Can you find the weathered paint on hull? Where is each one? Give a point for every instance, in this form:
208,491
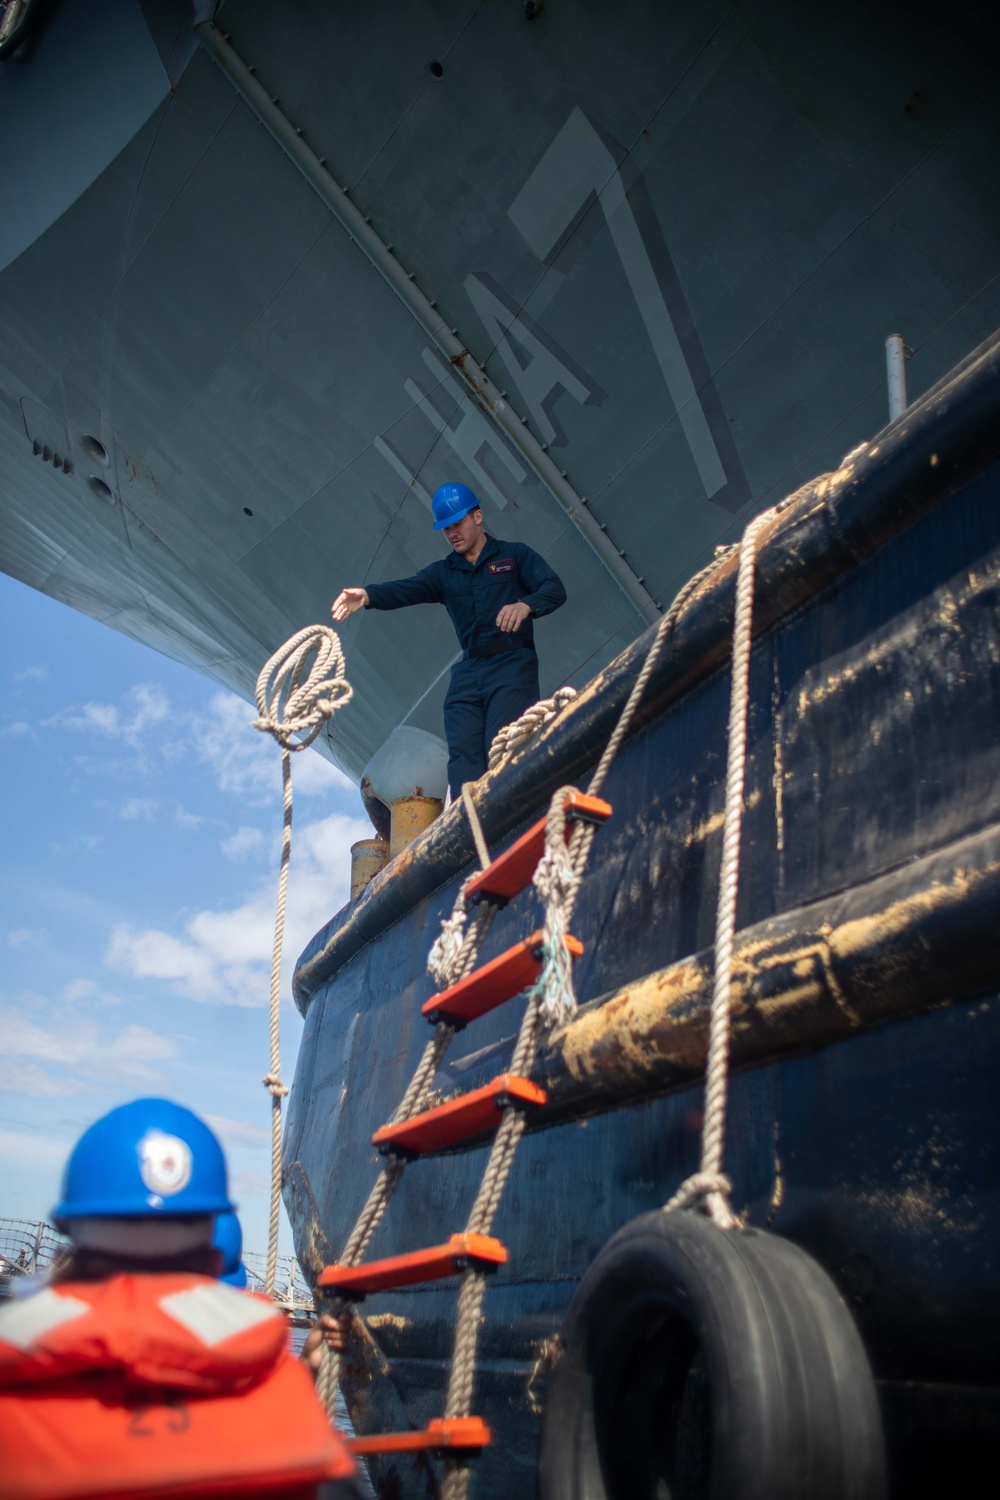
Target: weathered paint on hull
874,771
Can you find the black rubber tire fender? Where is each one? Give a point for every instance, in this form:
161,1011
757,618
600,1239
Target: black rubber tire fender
703,1364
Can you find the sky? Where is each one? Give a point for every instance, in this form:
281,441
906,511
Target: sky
142,822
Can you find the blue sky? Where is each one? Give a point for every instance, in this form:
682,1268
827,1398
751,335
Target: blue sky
142,822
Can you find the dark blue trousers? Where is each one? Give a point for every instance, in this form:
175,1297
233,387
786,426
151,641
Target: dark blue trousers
485,694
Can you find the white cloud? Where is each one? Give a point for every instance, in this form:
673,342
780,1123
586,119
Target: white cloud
89,990
80,989
25,937
98,718
32,1082
237,1133
224,955
86,843
248,763
244,842
188,820
151,954
32,674
249,1184
30,1150
138,807
52,1053
243,762
141,708
15,730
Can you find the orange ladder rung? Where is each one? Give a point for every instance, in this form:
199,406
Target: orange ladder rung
496,982
513,869
476,1113
442,1432
461,1251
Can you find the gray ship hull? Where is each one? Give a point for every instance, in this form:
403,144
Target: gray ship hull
674,238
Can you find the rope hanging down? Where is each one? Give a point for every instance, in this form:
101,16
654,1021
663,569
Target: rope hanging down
709,1183
298,690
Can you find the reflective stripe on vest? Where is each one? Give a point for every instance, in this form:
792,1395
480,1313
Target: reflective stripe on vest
156,1385
27,1321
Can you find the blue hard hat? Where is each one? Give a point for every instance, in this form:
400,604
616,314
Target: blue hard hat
237,1278
141,1160
228,1238
451,502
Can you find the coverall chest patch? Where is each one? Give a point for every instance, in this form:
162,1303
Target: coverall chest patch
502,565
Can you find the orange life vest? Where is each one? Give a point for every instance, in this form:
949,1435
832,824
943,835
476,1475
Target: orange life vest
150,1386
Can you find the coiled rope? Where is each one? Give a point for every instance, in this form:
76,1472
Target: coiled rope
298,690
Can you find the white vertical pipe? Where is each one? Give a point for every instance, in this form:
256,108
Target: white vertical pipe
895,372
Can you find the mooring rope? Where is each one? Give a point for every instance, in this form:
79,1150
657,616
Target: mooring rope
709,1184
512,736
299,688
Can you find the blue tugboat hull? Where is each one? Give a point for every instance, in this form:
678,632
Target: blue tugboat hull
866,1019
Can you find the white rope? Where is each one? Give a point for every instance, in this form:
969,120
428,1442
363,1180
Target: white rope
478,837
709,1183
557,881
289,705
511,736
447,946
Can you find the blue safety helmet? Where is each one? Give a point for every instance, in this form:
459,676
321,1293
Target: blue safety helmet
228,1238
451,502
144,1159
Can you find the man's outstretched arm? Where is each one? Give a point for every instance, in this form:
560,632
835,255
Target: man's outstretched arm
423,588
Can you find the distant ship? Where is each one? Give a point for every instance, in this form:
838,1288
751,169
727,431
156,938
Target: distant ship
268,277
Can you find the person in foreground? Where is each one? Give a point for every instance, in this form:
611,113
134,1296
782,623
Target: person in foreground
492,590
135,1372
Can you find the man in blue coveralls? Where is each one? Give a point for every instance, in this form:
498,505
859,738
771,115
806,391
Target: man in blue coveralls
492,590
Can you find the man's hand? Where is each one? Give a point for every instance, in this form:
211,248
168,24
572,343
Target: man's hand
348,602
511,617
330,1331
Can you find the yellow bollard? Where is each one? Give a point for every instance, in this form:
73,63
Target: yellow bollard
368,856
410,816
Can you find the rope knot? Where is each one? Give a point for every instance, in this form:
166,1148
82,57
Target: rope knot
709,1190
446,950
274,1085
